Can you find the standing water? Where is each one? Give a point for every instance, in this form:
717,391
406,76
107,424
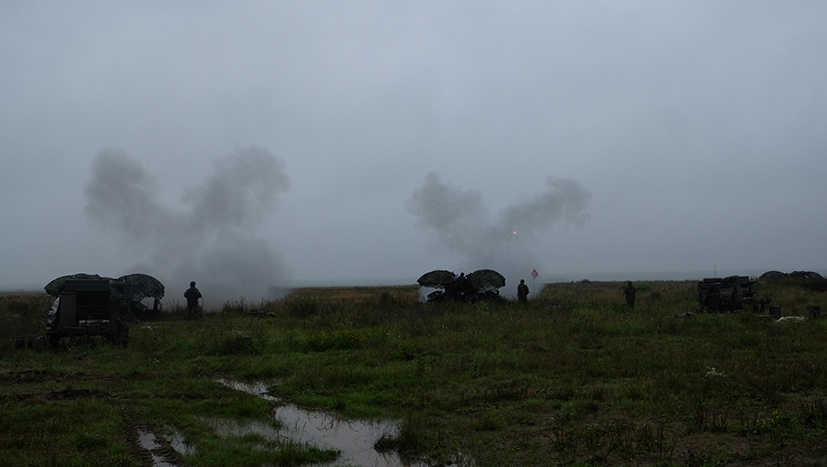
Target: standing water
354,439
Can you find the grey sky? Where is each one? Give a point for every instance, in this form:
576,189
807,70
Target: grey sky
695,133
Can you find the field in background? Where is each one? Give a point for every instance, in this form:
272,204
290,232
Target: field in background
574,376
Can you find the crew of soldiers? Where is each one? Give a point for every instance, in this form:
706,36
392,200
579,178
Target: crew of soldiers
460,287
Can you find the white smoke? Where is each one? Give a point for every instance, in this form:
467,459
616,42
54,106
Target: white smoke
214,240
507,243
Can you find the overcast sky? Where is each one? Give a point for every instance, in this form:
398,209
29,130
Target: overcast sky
267,144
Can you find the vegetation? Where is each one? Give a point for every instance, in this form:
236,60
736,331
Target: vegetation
572,377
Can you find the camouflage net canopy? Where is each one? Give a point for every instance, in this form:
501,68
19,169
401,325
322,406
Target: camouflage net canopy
134,287
481,280
140,286
437,279
778,275
53,287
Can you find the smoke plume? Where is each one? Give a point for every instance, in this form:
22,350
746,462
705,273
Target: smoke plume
506,243
214,239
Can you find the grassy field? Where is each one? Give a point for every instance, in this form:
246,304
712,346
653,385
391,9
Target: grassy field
572,377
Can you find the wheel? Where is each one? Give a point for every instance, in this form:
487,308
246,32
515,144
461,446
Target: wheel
38,344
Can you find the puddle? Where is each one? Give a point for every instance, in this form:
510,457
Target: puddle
148,441
180,445
354,439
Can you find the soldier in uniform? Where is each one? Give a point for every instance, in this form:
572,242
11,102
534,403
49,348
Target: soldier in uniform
463,286
630,292
192,295
522,291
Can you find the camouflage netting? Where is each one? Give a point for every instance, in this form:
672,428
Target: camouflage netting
132,286
140,286
437,279
486,279
778,275
483,279
53,287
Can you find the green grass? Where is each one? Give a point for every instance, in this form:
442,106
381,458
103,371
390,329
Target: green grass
572,377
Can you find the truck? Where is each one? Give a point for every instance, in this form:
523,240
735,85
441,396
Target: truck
730,293
89,307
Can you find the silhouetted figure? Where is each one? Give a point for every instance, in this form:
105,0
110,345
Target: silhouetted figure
522,291
192,295
630,292
463,285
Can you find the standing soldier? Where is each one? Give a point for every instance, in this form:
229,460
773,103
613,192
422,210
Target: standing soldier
630,292
192,295
463,286
522,291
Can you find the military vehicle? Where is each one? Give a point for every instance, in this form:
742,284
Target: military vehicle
483,284
90,305
87,307
730,293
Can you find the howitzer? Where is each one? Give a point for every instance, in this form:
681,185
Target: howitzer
483,284
730,293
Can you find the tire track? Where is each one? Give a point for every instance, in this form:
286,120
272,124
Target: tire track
152,449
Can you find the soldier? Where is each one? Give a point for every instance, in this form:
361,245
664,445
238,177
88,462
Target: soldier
522,291
192,295
630,291
463,285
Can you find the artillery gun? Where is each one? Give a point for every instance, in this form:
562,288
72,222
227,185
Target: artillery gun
483,284
730,293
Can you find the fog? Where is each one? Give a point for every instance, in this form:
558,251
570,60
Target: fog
257,146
